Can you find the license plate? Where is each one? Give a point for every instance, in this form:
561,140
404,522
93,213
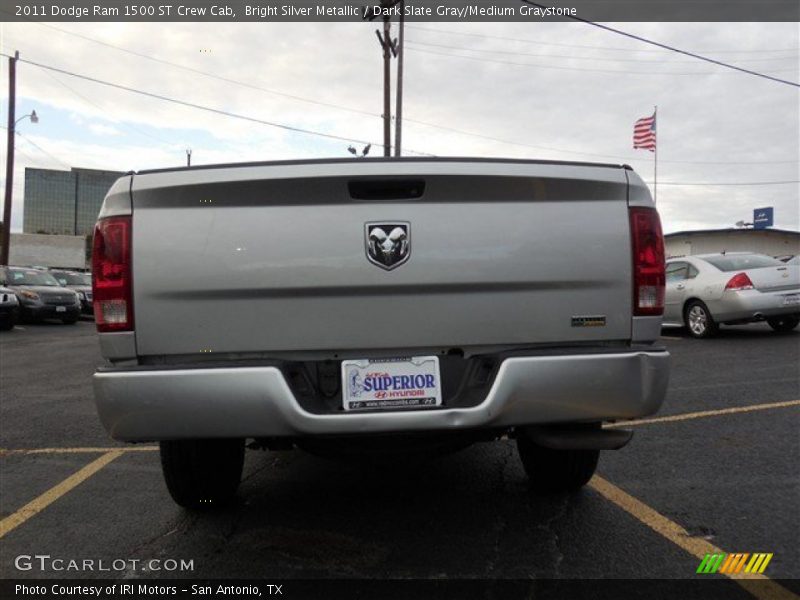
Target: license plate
61,309
390,384
791,300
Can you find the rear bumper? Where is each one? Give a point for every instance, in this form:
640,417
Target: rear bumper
50,311
752,305
146,405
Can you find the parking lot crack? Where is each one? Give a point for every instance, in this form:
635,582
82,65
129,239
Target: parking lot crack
501,523
547,527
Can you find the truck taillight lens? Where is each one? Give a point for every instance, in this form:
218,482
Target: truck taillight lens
648,261
739,282
111,274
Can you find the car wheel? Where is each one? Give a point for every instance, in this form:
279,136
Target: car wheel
6,325
555,470
699,321
783,324
202,474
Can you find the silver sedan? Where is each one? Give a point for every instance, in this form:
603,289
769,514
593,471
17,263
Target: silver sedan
707,290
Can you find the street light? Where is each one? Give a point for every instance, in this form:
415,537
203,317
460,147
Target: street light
33,117
4,258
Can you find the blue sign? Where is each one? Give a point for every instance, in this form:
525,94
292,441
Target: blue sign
763,218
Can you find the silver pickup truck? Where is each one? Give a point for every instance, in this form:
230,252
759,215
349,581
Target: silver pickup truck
367,305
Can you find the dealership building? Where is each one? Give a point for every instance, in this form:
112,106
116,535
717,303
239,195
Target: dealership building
64,202
770,241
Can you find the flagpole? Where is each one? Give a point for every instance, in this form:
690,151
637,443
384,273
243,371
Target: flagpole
655,157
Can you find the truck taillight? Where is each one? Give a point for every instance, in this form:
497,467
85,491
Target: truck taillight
648,261
739,282
111,274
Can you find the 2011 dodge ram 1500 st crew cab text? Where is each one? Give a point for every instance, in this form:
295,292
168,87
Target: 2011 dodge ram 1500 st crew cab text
374,304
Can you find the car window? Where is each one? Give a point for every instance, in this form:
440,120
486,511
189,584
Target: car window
693,272
676,271
741,262
70,278
26,277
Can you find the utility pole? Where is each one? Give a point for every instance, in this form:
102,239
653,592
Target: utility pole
388,49
188,157
12,98
398,131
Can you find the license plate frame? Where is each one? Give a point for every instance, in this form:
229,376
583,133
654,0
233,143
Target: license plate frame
791,300
404,383
61,309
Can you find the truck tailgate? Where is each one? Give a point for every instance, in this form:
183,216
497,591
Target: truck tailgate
273,258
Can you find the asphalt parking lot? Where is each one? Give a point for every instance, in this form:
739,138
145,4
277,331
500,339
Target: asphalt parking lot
716,470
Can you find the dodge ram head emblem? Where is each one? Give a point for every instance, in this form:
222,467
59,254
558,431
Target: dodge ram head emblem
388,244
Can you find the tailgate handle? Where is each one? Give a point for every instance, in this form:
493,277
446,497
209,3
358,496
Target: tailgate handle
386,189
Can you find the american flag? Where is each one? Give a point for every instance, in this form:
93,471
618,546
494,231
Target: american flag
644,133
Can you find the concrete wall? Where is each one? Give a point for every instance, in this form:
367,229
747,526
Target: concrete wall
762,241
66,251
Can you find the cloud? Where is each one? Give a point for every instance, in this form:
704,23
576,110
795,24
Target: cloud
103,130
575,99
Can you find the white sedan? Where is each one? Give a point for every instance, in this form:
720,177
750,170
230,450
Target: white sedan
707,290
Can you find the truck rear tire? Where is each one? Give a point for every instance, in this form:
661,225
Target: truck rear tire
202,474
556,470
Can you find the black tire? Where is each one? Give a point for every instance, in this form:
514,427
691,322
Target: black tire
556,470
699,322
6,324
202,474
783,324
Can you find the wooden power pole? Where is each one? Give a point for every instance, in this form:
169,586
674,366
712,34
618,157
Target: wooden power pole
398,123
12,97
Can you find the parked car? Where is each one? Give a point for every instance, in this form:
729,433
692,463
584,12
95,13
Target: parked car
81,283
367,304
40,295
9,309
708,290
795,260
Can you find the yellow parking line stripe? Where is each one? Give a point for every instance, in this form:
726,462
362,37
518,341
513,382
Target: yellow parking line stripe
705,413
37,505
4,451
758,585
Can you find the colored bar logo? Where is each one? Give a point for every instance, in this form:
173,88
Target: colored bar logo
741,562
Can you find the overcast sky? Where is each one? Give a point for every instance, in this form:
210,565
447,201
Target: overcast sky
568,91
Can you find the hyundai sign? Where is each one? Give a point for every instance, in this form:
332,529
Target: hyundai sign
762,218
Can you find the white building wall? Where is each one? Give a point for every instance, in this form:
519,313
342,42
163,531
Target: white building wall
772,243
65,251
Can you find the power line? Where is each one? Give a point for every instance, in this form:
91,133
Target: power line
593,154
42,150
603,48
729,183
462,132
583,69
85,99
672,48
591,58
209,74
204,108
